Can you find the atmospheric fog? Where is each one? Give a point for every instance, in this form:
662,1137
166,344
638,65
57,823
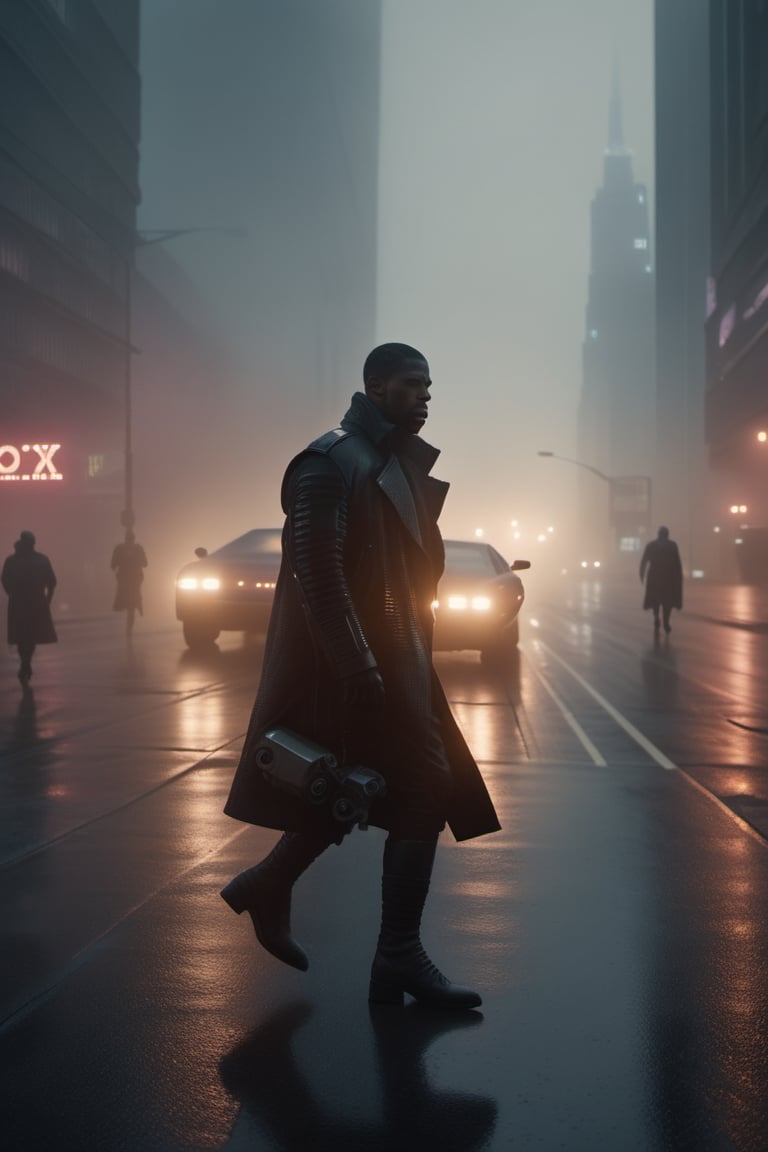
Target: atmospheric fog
444,202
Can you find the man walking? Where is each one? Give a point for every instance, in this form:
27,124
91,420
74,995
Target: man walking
29,580
664,586
348,664
128,563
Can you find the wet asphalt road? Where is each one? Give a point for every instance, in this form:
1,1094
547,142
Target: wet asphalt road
617,927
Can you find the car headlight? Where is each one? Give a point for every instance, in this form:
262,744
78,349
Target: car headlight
481,603
457,603
211,583
188,583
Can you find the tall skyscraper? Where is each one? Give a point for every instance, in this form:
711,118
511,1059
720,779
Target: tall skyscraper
69,128
617,401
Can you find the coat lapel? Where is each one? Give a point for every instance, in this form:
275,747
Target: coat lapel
393,483
418,457
434,492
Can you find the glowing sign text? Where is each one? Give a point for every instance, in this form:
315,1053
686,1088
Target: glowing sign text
14,467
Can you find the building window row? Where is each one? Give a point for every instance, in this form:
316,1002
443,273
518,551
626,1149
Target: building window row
106,50
75,160
42,267
52,341
27,200
13,258
61,9
105,55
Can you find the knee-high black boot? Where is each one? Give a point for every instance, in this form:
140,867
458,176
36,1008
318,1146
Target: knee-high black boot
401,964
264,892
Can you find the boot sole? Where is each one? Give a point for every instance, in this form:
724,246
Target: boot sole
234,895
383,993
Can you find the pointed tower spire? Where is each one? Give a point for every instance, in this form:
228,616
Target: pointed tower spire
615,125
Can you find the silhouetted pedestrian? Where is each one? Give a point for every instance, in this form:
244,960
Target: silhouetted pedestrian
664,586
29,580
348,664
128,563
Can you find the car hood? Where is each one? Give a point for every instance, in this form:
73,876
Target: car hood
265,563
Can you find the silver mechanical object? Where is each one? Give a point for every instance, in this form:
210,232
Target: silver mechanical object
313,774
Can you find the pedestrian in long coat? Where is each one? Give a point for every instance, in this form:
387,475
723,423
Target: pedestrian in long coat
348,664
664,583
128,563
29,580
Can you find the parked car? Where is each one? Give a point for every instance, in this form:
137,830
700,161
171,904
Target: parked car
231,589
478,600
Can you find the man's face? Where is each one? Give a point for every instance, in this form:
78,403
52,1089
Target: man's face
403,397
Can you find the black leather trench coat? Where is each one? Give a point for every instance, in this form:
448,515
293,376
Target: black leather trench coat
385,573
29,580
664,582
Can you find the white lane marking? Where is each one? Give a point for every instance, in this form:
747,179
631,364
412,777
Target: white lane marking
742,823
569,717
635,733
655,754
727,696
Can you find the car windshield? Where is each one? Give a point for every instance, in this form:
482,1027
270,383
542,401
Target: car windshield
468,559
255,543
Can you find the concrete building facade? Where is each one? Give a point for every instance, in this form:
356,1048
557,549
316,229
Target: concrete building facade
737,320
69,133
683,489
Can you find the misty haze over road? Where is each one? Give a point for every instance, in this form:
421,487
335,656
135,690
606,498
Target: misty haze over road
485,149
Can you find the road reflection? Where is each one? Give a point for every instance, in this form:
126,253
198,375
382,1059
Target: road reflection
279,1103
25,727
709,1043
660,676
231,658
483,698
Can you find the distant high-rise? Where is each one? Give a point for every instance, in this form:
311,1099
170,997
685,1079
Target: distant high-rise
69,127
617,400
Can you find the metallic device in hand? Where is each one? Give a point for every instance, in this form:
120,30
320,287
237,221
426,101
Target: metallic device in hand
314,775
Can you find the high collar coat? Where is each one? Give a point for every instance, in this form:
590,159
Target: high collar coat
391,560
664,580
29,580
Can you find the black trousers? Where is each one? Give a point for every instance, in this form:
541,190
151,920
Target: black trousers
26,652
416,770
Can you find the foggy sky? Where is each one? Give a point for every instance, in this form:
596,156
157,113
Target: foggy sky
493,124
495,118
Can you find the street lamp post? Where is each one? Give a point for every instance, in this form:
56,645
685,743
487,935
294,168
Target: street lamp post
616,485
141,240
579,464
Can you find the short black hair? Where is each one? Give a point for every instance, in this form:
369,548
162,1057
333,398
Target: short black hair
387,358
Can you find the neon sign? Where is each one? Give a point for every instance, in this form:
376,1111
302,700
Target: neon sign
15,464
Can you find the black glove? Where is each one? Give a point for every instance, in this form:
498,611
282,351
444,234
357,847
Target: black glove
364,690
